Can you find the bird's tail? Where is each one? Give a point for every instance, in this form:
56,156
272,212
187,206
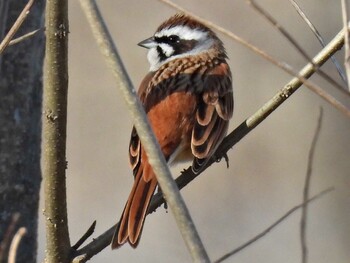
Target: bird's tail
134,214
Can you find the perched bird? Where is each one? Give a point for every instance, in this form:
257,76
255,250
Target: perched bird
188,98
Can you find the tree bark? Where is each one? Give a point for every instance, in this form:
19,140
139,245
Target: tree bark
20,126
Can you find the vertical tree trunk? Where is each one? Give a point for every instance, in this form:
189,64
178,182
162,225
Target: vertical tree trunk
20,125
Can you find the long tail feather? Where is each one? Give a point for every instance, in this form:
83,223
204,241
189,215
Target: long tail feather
134,214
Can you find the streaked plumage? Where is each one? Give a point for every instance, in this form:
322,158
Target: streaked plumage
187,96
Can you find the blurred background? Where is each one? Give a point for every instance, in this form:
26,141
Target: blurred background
267,168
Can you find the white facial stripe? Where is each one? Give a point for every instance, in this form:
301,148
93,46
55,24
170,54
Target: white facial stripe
167,49
184,32
204,42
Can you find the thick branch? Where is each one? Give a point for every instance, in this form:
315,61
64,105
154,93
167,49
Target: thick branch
54,125
234,137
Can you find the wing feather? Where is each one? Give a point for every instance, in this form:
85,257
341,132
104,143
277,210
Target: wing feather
214,110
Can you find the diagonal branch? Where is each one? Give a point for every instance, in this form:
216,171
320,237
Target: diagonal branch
281,64
294,42
25,36
22,16
98,244
144,130
347,47
318,36
267,230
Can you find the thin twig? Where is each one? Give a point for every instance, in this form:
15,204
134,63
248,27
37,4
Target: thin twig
295,43
4,244
267,230
15,243
102,241
318,36
87,234
22,16
281,64
25,36
307,188
347,47
144,131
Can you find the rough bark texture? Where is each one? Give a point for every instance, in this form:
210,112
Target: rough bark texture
55,131
20,125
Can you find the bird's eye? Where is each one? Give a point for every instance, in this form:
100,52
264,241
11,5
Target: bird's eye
174,39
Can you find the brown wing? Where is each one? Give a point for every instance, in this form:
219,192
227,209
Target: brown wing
215,108
135,143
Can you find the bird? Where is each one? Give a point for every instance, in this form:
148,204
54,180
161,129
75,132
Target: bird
188,98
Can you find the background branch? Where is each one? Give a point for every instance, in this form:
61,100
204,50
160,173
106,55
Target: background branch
234,137
295,43
318,36
55,130
4,43
281,64
15,243
347,43
267,230
144,130
307,188
20,124
6,240
25,36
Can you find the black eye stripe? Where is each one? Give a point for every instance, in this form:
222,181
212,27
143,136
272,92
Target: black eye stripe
161,54
173,39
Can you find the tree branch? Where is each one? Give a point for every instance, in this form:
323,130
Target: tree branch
307,187
294,42
281,64
5,242
87,234
318,36
144,131
234,137
54,129
267,230
347,47
24,37
22,16
15,243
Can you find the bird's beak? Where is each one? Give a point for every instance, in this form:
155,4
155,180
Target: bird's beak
148,43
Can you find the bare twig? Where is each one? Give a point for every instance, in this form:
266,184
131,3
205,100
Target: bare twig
15,243
98,244
294,42
144,130
267,230
307,187
318,36
347,47
4,244
87,234
55,131
24,37
281,64
22,16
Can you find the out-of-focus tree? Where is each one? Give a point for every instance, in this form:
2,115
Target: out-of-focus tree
20,128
